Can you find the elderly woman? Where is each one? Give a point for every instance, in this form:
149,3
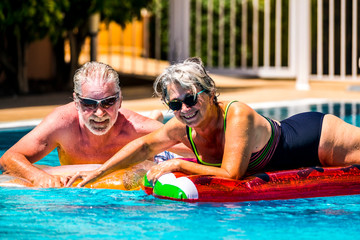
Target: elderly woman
230,139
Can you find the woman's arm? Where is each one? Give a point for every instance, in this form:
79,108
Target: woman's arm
187,167
240,139
134,152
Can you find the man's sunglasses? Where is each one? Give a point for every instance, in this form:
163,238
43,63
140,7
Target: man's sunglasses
189,100
92,104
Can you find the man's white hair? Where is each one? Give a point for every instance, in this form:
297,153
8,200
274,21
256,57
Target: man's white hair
97,73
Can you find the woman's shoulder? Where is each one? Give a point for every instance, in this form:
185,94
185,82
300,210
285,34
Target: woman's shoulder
236,107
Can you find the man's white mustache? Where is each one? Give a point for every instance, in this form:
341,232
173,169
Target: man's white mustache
97,119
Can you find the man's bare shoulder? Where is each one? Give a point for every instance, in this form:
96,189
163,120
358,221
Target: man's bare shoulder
57,127
138,121
62,117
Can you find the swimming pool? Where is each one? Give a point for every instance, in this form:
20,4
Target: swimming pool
112,214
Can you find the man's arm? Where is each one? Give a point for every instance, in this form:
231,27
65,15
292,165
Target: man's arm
17,161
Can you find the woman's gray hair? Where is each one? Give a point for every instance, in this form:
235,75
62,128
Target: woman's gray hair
92,72
190,74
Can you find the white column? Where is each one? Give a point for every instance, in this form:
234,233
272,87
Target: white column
179,30
354,42
343,40
302,39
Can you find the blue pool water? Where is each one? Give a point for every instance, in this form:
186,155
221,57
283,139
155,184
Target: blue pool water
71,213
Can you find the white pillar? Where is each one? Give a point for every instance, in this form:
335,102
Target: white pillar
302,38
179,13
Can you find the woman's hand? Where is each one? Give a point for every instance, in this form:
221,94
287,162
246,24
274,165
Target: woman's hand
157,171
86,176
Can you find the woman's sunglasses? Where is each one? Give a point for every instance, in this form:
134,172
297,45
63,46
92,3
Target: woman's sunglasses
92,104
189,100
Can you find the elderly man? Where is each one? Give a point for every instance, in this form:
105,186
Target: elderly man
88,130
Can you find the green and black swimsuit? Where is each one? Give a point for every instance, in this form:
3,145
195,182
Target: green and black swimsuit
258,160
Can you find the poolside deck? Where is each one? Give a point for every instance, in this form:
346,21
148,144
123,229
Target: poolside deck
139,98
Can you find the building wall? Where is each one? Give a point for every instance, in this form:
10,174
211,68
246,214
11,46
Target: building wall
41,63
112,39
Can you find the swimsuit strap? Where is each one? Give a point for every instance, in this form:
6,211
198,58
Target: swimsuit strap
189,135
226,111
198,158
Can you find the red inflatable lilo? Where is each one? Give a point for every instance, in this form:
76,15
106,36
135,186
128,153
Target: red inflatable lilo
288,184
